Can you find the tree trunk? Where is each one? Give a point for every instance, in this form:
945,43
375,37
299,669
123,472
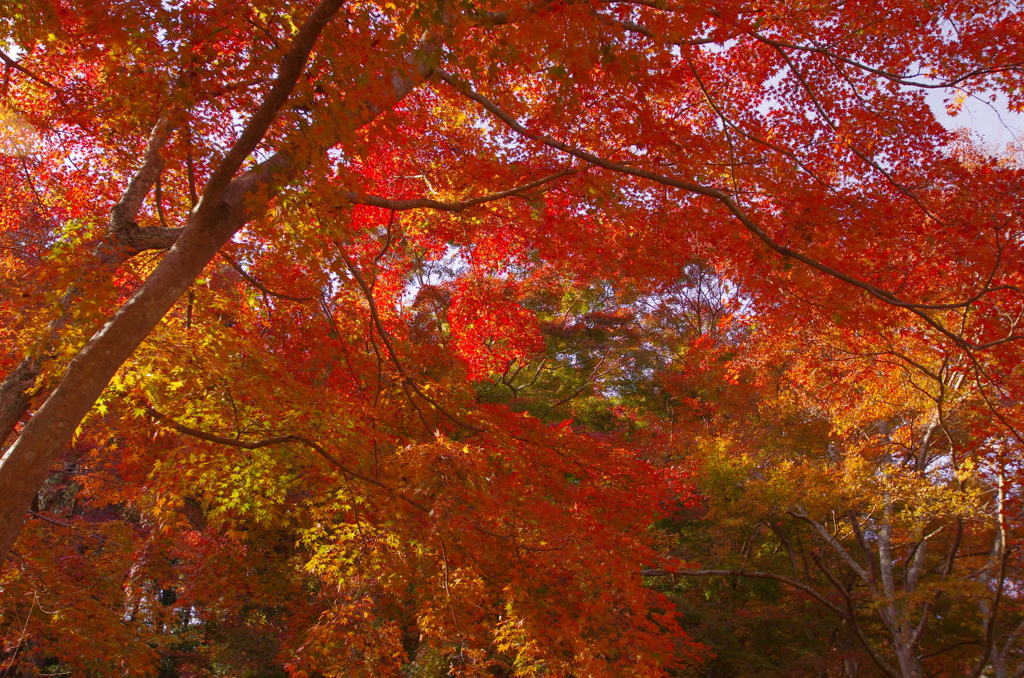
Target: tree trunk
14,397
221,212
909,661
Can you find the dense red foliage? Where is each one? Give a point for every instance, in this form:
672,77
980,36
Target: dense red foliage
488,338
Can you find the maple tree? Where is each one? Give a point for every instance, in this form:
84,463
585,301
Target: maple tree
884,507
493,338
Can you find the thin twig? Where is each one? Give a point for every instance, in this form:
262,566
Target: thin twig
257,284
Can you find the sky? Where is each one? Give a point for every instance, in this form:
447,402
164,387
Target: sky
992,122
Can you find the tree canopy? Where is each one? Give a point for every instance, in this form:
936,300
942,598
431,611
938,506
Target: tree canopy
487,338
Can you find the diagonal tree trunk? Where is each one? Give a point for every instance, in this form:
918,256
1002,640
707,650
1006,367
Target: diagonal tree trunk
227,204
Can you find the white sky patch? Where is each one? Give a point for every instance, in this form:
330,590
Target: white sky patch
993,123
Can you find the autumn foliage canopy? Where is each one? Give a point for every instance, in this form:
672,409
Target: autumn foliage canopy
484,338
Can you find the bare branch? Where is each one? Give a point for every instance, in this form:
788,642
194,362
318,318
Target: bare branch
834,543
752,575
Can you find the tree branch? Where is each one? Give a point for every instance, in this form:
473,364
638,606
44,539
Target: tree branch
256,283
278,440
386,338
752,575
426,203
13,64
834,543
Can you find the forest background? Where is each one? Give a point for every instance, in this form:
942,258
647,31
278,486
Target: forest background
483,338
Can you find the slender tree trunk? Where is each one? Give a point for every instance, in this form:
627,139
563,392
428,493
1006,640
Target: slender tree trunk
850,667
908,660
